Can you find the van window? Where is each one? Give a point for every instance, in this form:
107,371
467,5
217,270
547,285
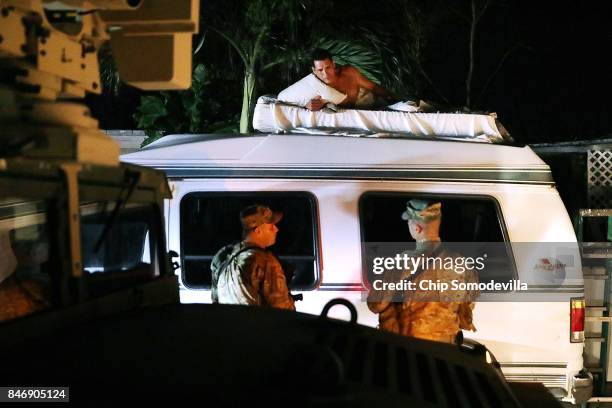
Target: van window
471,220
209,221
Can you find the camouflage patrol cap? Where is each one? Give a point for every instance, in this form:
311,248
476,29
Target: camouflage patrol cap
422,210
255,215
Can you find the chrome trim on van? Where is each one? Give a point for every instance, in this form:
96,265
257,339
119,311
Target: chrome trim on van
353,286
534,365
477,175
342,287
578,292
549,380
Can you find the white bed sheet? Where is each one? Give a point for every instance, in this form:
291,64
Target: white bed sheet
275,117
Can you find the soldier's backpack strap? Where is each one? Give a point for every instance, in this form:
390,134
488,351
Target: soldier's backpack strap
231,258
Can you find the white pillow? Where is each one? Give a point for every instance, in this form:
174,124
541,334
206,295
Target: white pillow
308,88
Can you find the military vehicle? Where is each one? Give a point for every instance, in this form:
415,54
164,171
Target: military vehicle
75,224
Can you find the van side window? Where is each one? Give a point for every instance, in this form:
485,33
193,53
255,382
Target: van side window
473,220
210,221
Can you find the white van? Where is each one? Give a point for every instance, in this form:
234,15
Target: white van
338,193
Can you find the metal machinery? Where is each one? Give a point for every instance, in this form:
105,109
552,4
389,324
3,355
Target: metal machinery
67,206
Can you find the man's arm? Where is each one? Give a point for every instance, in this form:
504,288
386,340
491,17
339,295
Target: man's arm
380,300
378,307
316,104
373,87
274,286
325,94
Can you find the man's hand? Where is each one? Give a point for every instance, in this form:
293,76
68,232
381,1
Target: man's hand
316,104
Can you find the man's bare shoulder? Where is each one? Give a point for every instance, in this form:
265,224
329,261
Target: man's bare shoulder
350,70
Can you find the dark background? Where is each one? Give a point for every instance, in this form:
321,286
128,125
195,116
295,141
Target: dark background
553,84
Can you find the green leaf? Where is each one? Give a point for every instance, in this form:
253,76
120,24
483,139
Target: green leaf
199,75
228,126
150,110
152,135
363,57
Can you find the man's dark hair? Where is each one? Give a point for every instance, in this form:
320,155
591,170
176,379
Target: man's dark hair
320,54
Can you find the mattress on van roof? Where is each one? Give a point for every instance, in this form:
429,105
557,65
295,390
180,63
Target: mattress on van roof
273,116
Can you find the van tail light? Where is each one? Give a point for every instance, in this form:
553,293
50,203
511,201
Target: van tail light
577,310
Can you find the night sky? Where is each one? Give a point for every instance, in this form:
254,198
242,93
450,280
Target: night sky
553,86
560,86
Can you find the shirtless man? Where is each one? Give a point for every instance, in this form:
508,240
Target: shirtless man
344,78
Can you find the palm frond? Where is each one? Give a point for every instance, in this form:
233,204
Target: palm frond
364,58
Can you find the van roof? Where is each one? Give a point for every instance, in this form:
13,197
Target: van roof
308,152
324,149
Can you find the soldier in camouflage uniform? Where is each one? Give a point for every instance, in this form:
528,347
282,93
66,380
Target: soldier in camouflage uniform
427,314
247,274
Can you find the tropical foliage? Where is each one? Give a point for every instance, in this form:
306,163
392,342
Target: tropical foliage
181,112
247,48
250,34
